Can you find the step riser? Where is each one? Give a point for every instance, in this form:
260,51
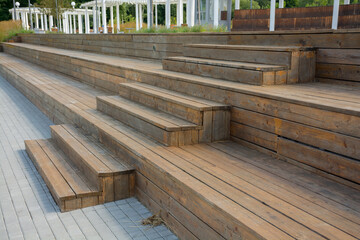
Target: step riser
82,70
75,202
192,115
175,138
301,64
112,188
76,159
240,55
59,202
226,73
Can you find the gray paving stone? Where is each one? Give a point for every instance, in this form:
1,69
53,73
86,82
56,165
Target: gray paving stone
27,209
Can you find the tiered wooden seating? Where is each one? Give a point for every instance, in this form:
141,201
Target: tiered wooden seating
271,127
168,117
211,191
257,65
78,171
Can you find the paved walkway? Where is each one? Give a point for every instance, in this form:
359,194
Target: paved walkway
27,210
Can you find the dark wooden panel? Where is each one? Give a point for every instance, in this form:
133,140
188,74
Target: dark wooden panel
341,56
297,18
329,162
300,12
338,71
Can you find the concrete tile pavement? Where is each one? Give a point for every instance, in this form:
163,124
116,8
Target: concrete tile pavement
27,210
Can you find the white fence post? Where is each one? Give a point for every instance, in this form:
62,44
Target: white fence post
272,16
335,16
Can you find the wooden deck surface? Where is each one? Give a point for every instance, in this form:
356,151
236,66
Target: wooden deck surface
272,197
327,96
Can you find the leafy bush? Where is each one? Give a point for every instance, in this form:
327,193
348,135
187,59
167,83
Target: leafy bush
9,29
196,28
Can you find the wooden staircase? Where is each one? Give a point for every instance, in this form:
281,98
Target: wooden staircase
169,117
78,170
257,65
217,190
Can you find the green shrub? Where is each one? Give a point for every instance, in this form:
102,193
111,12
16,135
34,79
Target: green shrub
196,28
9,29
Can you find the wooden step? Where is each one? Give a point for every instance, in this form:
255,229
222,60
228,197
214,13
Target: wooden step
161,126
280,55
299,60
66,183
190,194
114,179
243,72
212,116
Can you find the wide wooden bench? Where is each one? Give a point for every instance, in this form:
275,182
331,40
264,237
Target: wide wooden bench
212,191
79,171
312,124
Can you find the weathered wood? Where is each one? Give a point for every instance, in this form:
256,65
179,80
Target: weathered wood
165,170
297,18
200,229
254,135
71,174
338,71
206,157
340,56
158,125
221,72
170,220
59,188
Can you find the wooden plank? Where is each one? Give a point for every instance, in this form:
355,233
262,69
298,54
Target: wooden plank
338,71
53,179
343,199
338,82
122,186
230,64
229,171
171,221
80,156
231,74
325,39
148,169
116,166
161,120
254,135
339,56
197,227
329,162
73,176
338,143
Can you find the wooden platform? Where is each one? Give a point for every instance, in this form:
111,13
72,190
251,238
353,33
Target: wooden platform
217,190
321,120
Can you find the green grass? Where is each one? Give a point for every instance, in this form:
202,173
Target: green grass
194,29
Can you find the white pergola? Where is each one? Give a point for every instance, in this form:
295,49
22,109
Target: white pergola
103,4
209,11
197,12
45,21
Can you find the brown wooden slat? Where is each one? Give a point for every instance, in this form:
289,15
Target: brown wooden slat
54,180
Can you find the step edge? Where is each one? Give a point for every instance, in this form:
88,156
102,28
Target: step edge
53,192
168,129
97,173
273,68
139,86
252,47
75,133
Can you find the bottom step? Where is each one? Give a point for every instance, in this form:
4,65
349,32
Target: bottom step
67,185
67,169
